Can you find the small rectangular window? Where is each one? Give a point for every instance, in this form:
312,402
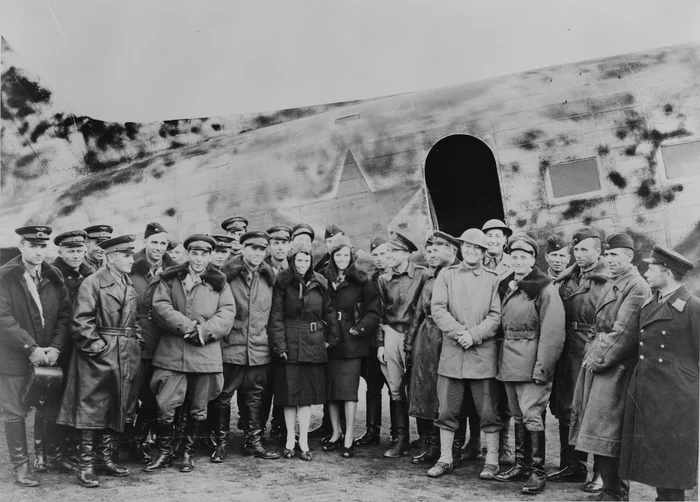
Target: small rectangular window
574,178
682,159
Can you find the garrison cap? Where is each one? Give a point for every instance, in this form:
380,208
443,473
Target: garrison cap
332,230
303,228
439,236
555,243
34,233
497,225
399,242
280,233
71,239
123,244
99,233
523,242
670,259
223,241
376,242
586,233
154,228
255,238
200,242
235,223
474,236
621,240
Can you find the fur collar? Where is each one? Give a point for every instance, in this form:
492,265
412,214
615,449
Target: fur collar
532,284
352,273
599,273
14,269
69,272
289,276
234,267
142,267
211,275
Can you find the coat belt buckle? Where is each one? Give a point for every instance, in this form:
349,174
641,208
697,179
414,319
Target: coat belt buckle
127,332
312,326
340,315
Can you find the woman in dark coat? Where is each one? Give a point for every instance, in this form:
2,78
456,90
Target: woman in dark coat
302,325
356,301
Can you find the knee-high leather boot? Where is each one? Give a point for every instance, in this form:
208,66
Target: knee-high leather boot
538,477
573,466
400,422
104,455
39,442
374,420
431,451
523,457
16,436
164,438
86,466
58,447
191,433
221,433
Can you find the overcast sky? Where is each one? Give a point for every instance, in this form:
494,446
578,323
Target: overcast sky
143,60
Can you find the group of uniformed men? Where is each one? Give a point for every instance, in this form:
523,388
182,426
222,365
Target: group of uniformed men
157,342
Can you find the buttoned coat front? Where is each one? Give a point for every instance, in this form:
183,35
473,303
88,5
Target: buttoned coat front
465,300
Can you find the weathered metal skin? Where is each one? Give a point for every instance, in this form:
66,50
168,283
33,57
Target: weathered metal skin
361,165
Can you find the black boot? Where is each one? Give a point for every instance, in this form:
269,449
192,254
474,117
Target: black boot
432,447
181,419
614,487
209,426
573,463
104,455
325,428
278,427
423,428
374,419
252,444
401,446
523,457
58,447
458,442
221,433
138,446
86,465
165,437
538,478
191,433
39,443
16,436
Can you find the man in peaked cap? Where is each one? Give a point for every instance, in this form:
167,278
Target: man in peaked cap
70,260
280,242
193,305
34,317
94,256
399,291
223,249
105,361
331,236
469,352
557,256
580,287
303,232
235,227
660,439
597,411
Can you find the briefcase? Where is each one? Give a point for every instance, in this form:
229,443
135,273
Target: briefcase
43,386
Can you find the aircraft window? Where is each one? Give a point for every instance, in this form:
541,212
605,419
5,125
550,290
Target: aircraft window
574,178
682,159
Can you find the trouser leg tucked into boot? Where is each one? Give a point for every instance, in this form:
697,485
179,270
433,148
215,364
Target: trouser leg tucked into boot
523,457
191,432
58,444
253,437
401,446
222,429
538,477
374,419
208,427
421,442
505,455
104,460
138,445
164,439
16,436
39,442
86,465
572,462
431,451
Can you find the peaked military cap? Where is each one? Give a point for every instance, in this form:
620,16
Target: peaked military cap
154,228
34,233
280,233
400,242
670,259
123,244
438,236
497,225
555,243
99,233
303,228
586,233
235,223
71,239
523,242
223,241
255,238
376,242
332,230
621,240
200,242
474,236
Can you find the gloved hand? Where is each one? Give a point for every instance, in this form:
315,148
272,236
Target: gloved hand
38,357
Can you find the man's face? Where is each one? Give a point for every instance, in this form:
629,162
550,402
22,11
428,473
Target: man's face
379,255
236,234
33,253
558,260
471,254
522,262
121,262
254,254
496,240
302,262
432,257
396,257
94,252
617,259
279,248
178,254
657,276
302,239
72,256
586,252
198,260
155,246
219,256
444,252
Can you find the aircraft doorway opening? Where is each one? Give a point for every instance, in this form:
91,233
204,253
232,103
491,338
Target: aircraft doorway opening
462,180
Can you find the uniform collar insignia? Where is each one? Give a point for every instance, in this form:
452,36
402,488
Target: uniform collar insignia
679,305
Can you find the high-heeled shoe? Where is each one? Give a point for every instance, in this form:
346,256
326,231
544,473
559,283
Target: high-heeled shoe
288,453
346,452
332,445
306,456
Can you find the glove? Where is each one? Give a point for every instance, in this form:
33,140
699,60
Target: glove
52,354
38,357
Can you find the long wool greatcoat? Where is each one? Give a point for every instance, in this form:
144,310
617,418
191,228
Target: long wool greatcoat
598,408
660,433
102,368
580,296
